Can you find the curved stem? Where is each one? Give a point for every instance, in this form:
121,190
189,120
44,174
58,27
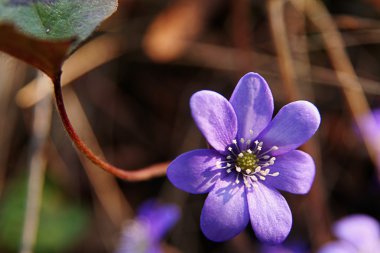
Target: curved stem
138,175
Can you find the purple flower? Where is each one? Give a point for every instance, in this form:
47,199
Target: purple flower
145,232
358,233
252,158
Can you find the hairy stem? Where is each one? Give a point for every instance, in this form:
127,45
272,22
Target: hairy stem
138,175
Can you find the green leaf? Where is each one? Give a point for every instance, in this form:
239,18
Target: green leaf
47,31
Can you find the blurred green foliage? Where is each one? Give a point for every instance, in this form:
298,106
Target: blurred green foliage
62,223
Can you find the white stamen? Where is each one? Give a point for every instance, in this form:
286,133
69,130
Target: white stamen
246,182
232,150
257,169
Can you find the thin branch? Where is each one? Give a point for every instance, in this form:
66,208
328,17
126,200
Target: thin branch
284,59
351,87
37,167
223,58
138,175
93,54
108,193
11,78
319,218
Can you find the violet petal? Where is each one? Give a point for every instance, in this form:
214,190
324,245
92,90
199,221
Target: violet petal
225,212
252,101
294,124
270,215
361,230
195,171
338,247
215,118
297,171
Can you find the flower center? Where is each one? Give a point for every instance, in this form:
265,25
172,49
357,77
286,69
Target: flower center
249,162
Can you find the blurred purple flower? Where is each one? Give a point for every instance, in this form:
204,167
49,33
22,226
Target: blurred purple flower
372,129
145,232
371,124
252,158
281,248
357,234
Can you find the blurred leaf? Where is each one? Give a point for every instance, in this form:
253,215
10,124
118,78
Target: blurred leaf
44,32
61,222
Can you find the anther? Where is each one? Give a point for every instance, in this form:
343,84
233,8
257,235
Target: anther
242,140
241,155
237,179
231,150
238,169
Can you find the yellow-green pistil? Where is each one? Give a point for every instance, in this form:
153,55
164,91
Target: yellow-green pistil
247,161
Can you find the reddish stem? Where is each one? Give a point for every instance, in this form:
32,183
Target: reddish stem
155,170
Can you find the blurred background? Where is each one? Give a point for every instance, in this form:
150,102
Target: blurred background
127,93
